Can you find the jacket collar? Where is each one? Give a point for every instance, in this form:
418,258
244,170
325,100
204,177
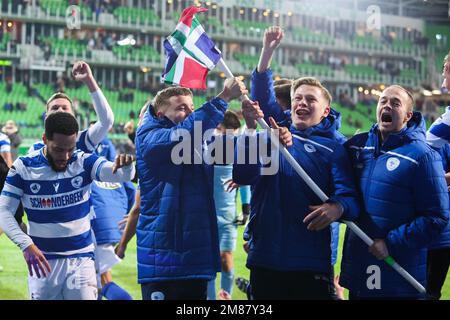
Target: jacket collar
414,130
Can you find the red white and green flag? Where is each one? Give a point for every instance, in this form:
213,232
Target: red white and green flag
191,54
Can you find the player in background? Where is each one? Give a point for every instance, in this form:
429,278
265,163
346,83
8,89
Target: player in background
87,140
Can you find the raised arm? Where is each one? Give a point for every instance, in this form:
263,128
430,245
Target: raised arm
157,145
105,117
262,78
271,41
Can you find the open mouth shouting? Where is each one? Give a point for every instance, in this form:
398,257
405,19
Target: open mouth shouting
386,118
301,112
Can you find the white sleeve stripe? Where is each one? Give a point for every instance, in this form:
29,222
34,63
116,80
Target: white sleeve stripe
96,168
12,189
401,156
5,148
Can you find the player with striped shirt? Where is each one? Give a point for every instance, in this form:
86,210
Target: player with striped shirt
53,184
439,132
5,149
438,260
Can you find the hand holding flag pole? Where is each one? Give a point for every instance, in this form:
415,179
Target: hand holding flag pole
364,237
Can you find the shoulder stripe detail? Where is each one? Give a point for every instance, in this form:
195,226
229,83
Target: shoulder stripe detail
401,156
312,142
362,148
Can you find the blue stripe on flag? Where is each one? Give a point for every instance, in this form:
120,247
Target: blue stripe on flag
171,56
206,45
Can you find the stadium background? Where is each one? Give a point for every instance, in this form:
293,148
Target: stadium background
355,47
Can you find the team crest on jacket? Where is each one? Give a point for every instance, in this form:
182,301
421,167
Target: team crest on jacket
392,163
77,182
310,148
157,295
35,187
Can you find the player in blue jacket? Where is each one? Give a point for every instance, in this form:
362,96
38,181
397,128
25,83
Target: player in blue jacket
275,101
401,180
289,228
177,242
438,259
110,201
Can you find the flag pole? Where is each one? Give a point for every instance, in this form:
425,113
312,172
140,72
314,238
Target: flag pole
315,188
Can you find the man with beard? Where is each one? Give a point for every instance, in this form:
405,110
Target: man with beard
53,184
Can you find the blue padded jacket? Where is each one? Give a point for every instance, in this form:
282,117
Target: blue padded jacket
405,203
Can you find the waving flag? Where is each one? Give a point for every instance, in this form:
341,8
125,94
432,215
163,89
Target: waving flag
190,52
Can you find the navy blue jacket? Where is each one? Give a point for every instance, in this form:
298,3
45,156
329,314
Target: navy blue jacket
278,238
177,228
443,241
111,201
405,203
263,92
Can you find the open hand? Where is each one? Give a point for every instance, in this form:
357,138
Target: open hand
122,160
36,261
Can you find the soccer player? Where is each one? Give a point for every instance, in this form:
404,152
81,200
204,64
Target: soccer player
438,136
5,149
406,203
88,139
439,132
289,227
110,201
274,98
178,247
6,162
53,184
